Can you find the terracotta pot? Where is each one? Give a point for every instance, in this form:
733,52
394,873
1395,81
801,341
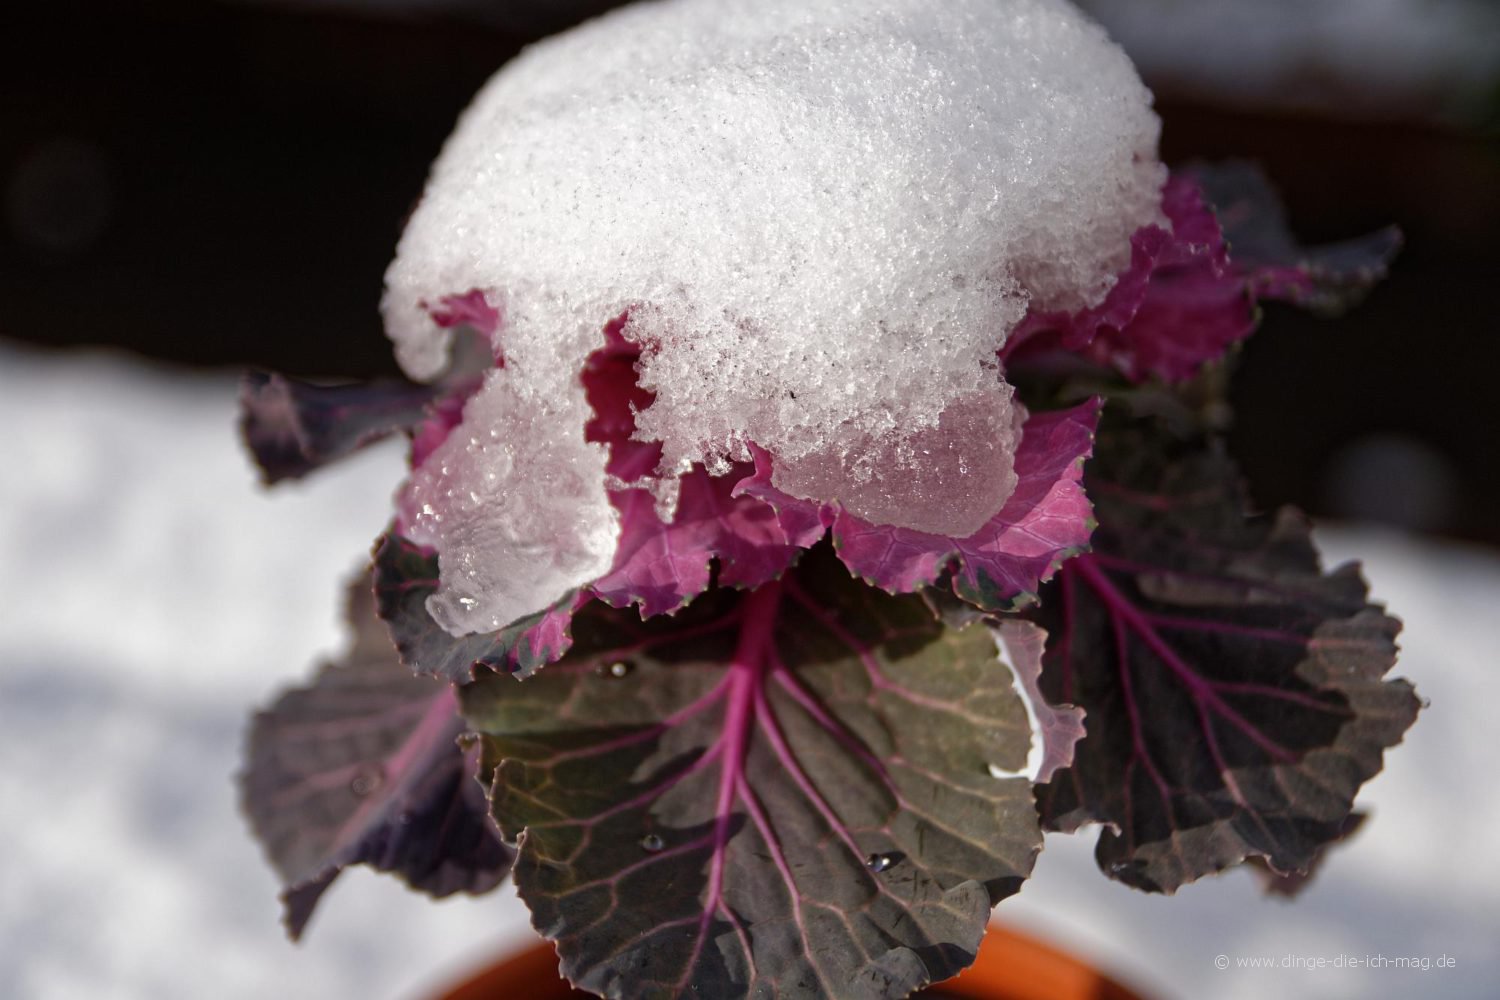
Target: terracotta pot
1011,966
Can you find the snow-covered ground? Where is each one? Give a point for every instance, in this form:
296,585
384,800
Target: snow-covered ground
151,593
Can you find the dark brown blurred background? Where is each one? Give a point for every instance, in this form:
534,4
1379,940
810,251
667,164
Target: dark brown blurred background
217,184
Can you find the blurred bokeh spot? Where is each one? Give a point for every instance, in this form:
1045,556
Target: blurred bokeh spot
59,198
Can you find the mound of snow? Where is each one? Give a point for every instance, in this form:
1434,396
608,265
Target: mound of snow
822,217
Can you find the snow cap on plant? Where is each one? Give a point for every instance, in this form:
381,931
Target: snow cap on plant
811,229
705,282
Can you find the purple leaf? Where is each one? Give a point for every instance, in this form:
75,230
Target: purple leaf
406,574
1326,279
661,566
1235,693
779,793
1180,304
1046,520
293,427
1190,293
363,767
658,565
1057,727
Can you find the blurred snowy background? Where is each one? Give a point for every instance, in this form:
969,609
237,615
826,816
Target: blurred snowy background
1378,59
203,185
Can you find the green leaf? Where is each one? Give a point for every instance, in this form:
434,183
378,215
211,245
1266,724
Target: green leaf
782,793
1235,693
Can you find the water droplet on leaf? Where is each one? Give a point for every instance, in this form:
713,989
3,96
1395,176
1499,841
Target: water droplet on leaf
367,780
651,842
878,863
618,669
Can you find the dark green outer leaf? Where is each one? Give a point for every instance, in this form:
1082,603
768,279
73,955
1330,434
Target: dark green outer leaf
1235,694
780,794
1288,885
406,575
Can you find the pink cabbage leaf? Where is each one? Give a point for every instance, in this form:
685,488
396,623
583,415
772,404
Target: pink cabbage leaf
1058,727
1046,520
1178,305
1191,290
660,565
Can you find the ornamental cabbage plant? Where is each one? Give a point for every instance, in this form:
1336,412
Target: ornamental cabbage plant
816,493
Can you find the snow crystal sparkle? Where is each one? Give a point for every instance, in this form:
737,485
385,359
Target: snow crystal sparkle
822,219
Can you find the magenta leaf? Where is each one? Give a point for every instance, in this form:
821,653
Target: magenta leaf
471,309
662,565
785,792
1325,279
406,574
1046,520
293,427
364,767
1235,693
1190,291
1180,304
